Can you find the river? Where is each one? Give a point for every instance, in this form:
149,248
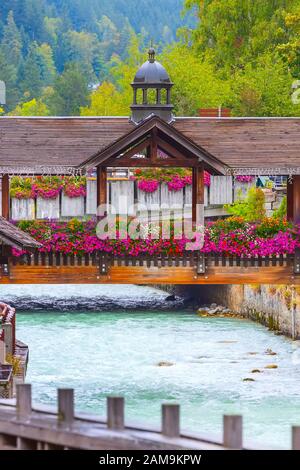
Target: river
117,351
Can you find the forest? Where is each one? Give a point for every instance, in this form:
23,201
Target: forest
78,57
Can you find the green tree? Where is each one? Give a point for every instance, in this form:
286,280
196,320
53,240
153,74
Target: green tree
30,76
82,48
106,101
251,208
8,76
31,108
11,43
70,92
46,64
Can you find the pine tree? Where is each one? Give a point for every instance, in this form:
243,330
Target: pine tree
70,92
31,81
11,44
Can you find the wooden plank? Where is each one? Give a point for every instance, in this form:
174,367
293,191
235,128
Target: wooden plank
101,186
88,274
171,420
233,432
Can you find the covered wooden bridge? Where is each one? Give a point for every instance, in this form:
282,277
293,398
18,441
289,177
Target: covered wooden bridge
151,138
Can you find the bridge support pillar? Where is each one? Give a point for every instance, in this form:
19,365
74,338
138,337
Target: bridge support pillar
198,195
293,199
101,189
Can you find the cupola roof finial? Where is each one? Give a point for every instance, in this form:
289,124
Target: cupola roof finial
151,53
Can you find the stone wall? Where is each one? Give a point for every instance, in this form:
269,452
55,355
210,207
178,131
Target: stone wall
277,307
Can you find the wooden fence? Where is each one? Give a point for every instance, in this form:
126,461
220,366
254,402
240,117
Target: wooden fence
27,427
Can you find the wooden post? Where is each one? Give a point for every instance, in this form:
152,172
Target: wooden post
293,199
115,412
153,146
233,432
171,420
24,400
101,186
65,405
5,196
296,438
198,192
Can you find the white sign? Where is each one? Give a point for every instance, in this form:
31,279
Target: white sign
2,92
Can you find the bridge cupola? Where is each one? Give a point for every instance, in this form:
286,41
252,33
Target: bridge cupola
151,91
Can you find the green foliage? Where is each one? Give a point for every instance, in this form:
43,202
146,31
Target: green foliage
270,226
251,208
70,92
31,108
281,212
20,186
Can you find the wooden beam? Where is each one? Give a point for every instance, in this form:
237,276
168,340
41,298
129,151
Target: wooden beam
153,146
101,186
293,200
173,152
5,196
22,274
197,191
126,159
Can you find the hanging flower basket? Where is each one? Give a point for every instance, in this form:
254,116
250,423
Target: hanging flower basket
21,188
47,187
245,178
74,186
175,178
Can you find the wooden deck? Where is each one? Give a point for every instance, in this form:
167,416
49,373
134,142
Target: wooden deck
27,427
188,269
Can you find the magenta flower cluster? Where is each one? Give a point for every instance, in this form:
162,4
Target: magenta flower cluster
78,238
148,186
50,193
245,178
74,191
179,182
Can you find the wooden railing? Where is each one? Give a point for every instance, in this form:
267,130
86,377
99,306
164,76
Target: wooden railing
23,426
190,258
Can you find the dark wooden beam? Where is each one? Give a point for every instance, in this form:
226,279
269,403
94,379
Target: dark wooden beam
101,186
197,191
5,196
153,146
127,156
293,200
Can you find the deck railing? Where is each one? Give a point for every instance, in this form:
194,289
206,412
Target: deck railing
27,427
201,261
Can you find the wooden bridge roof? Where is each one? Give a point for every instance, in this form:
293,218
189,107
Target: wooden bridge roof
55,144
12,236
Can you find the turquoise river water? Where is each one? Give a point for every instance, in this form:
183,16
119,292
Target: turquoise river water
117,352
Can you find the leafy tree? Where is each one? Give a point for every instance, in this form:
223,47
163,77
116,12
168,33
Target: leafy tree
31,108
106,101
82,48
46,63
70,92
251,208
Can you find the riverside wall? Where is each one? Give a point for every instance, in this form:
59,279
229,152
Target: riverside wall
277,307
